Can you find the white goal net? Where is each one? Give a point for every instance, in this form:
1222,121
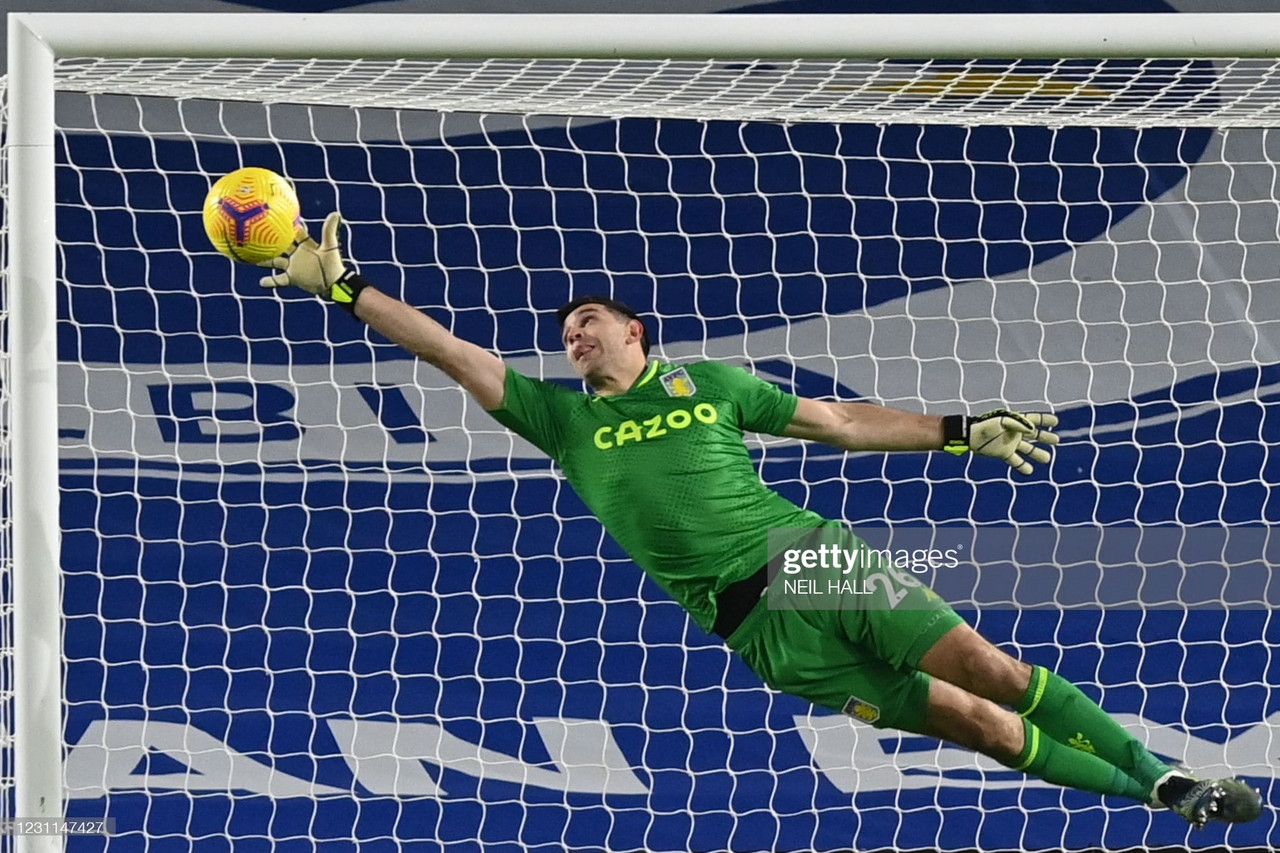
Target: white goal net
315,597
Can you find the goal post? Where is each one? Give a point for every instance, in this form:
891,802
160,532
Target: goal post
31,325
822,52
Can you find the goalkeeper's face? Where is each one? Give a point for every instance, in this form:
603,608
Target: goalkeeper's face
601,343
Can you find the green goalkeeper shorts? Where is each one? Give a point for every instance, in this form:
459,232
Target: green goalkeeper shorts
856,655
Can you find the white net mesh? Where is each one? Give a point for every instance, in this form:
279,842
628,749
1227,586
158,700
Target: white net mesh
1092,92
314,595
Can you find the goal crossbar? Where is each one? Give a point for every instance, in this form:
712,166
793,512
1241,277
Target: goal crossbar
655,35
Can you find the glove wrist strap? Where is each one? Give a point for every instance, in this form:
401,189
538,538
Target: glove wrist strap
346,290
955,434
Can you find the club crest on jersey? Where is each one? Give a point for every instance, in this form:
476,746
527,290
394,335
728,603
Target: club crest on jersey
678,383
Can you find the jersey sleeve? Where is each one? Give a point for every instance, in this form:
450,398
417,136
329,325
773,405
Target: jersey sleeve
531,409
762,406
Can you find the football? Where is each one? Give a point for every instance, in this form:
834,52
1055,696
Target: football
252,215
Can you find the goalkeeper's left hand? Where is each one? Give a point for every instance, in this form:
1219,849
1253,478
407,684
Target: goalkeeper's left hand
1011,436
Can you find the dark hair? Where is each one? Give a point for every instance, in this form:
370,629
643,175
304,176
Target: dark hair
621,309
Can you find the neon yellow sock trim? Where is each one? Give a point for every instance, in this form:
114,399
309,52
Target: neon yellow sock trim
1039,680
1034,734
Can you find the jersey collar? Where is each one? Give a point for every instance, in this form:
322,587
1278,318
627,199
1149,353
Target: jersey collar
646,376
650,372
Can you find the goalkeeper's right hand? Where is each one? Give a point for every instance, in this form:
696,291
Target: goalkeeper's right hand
316,267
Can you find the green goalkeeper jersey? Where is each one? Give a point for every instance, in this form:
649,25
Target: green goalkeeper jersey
664,468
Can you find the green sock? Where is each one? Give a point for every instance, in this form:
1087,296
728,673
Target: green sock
1060,710
1051,761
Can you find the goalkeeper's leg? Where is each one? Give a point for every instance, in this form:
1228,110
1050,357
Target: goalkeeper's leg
960,717
1059,720
1047,701
810,654
915,629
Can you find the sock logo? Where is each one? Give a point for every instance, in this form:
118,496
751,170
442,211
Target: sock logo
1082,743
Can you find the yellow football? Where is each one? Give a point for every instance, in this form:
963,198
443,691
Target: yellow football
252,215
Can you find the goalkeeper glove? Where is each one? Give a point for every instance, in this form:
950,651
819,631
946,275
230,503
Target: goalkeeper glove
1011,436
318,267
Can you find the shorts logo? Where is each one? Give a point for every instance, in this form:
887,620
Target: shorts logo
678,383
860,710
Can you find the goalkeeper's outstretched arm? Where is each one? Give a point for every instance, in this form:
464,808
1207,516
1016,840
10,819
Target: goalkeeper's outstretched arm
1019,439
477,370
319,268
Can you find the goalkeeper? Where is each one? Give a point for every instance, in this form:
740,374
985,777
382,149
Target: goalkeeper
657,454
